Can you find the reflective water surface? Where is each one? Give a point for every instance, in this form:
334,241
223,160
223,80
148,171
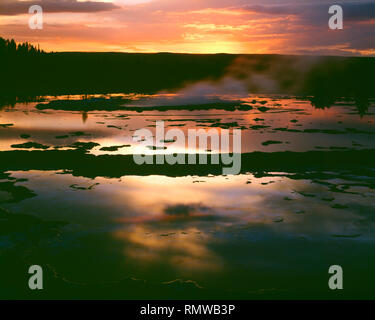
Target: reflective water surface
133,232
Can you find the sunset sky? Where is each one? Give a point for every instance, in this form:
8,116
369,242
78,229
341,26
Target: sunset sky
194,26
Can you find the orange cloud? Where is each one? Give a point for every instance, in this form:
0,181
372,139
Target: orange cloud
194,27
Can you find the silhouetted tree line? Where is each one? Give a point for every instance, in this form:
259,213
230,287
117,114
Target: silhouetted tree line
87,73
26,71
11,48
16,63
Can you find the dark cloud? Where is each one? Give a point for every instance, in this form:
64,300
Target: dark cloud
296,26
15,7
317,12
359,11
184,209
196,212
